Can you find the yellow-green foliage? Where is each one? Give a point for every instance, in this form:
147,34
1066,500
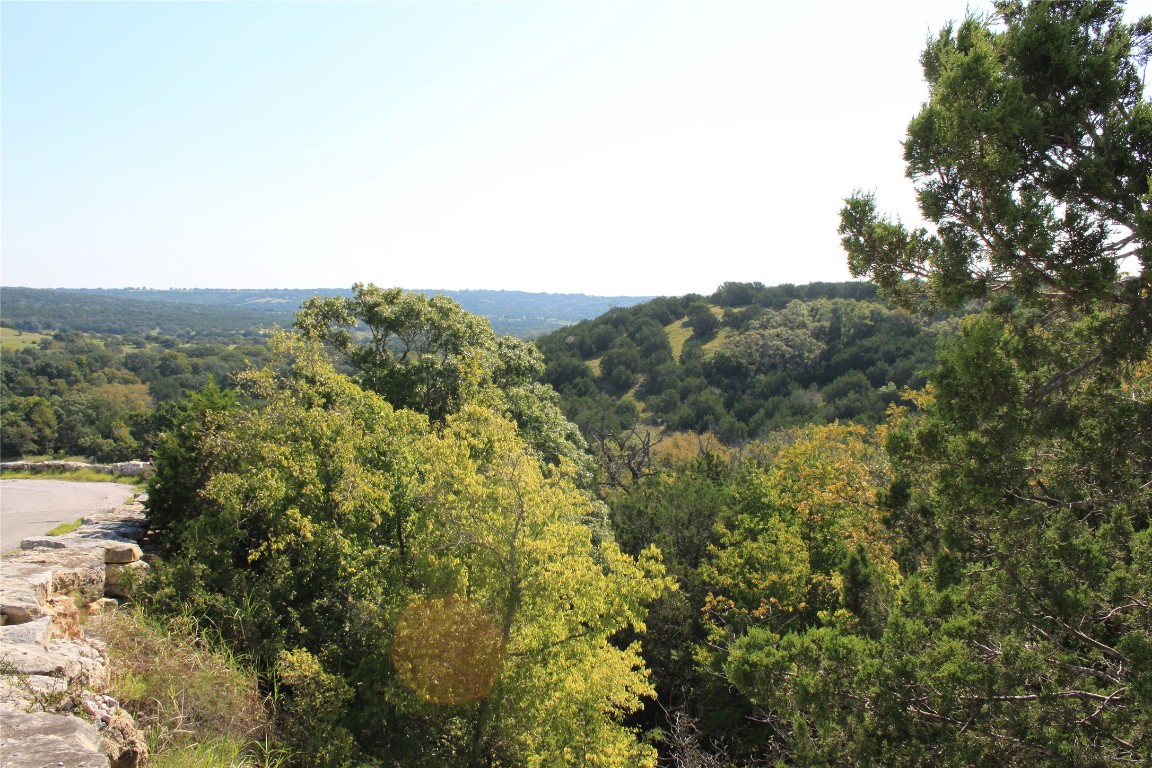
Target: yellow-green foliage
679,332
221,753
807,501
520,550
335,516
676,449
12,340
594,366
312,712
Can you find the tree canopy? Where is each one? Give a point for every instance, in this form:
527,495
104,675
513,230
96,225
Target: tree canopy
1022,632
432,593
425,353
1032,160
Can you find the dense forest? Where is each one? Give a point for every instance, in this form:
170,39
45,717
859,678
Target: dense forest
106,397
900,523
743,362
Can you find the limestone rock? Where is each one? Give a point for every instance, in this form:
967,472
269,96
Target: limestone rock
43,542
65,616
115,531
66,570
126,518
124,468
119,552
132,468
30,659
112,549
22,575
69,659
19,603
29,693
45,661
36,632
124,743
39,739
101,606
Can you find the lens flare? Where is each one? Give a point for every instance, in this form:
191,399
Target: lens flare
447,651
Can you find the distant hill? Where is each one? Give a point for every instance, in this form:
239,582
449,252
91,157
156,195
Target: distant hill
198,312
745,361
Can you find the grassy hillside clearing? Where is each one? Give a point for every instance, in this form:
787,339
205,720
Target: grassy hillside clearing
719,341
13,340
678,333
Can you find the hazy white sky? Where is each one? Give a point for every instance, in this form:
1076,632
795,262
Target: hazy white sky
632,148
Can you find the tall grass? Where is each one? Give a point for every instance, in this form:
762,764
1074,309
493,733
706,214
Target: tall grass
197,704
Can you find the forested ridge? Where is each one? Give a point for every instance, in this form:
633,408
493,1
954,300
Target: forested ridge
37,310
743,362
192,313
900,523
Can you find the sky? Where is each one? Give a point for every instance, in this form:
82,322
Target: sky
609,148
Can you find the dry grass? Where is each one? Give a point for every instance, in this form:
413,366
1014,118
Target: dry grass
678,333
195,702
723,336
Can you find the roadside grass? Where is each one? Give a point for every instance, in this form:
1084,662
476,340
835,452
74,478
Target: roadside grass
77,476
194,700
64,528
53,457
13,340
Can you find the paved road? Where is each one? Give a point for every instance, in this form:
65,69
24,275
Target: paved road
31,507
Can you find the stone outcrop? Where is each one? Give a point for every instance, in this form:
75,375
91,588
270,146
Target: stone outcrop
43,739
53,710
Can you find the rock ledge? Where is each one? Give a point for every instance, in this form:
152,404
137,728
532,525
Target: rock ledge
47,667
